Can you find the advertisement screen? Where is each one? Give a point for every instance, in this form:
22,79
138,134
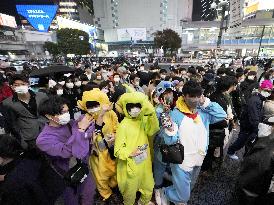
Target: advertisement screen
68,23
6,20
134,34
39,16
252,6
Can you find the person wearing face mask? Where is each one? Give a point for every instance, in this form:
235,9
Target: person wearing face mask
70,95
219,132
133,144
189,124
255,179
252,115
165,95
5,90
102,162
237,93
63,138
104,74
77,89
163,74
88,72
22,115
23,178
106,87
122,71
135,83
51,83
116,79
248,86
98,79
62,82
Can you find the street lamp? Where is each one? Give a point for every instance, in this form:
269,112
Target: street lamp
223,7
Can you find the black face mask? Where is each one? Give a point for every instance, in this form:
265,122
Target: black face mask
192,103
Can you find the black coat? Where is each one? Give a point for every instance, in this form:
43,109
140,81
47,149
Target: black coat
217,130
247,87
30,182
224,102
257,167
252,114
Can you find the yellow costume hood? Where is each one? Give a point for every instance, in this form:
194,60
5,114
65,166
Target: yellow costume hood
135,97
93,95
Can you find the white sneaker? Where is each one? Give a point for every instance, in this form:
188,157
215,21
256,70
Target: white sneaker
163,197
233,156
157,193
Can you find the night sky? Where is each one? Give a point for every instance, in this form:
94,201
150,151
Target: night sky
8,7
202,12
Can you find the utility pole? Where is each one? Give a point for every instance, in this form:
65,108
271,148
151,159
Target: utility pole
261,39
219,41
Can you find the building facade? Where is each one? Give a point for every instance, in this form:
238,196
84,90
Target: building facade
201,35
129,21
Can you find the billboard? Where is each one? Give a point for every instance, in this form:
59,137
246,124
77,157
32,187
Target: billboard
6,20
236,18
252,6
68,23
134,34
39,16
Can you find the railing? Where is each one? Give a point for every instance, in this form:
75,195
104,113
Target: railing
253,41
4,38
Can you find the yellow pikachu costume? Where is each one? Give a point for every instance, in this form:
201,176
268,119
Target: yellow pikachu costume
131,133
101,165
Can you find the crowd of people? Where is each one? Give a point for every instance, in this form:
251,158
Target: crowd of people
113,133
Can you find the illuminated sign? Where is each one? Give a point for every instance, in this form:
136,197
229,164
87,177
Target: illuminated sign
252,6
6,20
39,16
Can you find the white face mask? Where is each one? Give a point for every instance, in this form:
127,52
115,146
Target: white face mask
99,77
64,118
94,110
265,94
70,85
52,83
59,92
134,112
23,89
62,83
116,80
251,77
78,83
142,68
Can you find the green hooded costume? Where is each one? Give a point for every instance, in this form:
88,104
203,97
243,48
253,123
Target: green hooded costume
131,133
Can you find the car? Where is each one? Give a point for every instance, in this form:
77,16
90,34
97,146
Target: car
18,65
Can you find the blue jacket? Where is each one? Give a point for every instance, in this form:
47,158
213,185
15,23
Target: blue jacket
193,132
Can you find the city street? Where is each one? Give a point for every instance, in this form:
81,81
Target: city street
219,188
130,102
